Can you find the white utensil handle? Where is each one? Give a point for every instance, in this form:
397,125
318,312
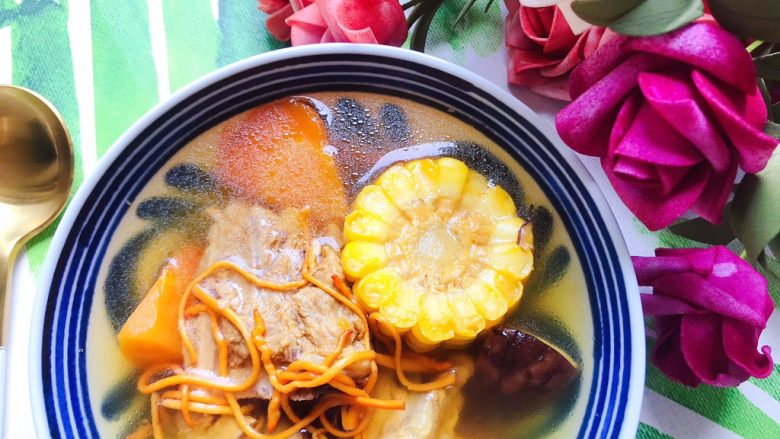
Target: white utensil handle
3,380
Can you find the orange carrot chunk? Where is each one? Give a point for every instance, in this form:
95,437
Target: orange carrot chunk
151,334
276,156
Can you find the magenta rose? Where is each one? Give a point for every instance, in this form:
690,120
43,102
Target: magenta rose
710,307
349,21
543,49
671,117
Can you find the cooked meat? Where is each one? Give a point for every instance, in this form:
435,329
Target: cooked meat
428,415
301,324
514,362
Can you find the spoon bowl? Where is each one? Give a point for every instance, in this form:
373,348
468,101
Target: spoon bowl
36,172
36,165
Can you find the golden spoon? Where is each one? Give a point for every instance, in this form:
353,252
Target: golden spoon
36,172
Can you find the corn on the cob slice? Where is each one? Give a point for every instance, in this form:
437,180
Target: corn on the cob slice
437,250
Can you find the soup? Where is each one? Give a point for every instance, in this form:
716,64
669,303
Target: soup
338,265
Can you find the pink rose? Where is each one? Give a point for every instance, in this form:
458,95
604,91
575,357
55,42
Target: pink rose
350,21
543,49
710,308
278,11
671,116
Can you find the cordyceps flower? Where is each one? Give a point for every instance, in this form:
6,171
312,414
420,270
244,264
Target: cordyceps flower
543,48
349,21
710,307
437,251
671,117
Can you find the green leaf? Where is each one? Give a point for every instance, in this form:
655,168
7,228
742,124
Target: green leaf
701,230
603,12
657,17
755,210
759,19
768,66
772,128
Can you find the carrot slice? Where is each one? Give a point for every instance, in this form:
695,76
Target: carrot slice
151,334
276,156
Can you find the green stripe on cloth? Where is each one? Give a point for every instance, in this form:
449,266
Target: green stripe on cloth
191,33
649,432
771,384
125,78
727,407
42,62
242,33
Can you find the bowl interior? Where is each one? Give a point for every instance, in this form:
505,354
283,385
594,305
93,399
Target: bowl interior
612,358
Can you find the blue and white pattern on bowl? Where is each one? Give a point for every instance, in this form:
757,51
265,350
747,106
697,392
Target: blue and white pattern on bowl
58,360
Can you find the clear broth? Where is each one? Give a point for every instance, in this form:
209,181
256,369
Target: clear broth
559,313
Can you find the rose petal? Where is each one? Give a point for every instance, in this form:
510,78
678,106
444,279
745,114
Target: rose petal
536,24
557,88
708,296
307,26
672,96
712,201
650,206
743,117
585,124
652,140
577,24
648,269
707,47
668,353
729,272
603,62
739,344
702,349
524,66
654,305
701,260
276,23
641,172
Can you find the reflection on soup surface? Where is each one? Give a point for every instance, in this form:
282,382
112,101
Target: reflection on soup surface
341,265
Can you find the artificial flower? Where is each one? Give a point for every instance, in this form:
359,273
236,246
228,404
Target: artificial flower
577,24
543,49
350,21
671,117
710,307
278,11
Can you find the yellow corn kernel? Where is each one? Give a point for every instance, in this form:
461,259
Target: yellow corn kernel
511,259
424,173
377,288
504,284
475,189
435,324
364,226
467,320
373,199
403,311
452,177
398,184
488,301
359,258
506,231
497,202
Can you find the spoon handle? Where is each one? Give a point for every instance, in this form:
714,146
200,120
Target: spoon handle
7,253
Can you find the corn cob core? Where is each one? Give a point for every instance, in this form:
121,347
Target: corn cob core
437,250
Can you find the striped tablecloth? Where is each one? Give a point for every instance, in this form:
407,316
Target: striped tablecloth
104,63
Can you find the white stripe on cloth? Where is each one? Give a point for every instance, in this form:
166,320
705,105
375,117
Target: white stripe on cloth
678,421
159,47
761,399
6,66
80,34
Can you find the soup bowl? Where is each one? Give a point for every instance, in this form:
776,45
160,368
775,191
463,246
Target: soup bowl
612,359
